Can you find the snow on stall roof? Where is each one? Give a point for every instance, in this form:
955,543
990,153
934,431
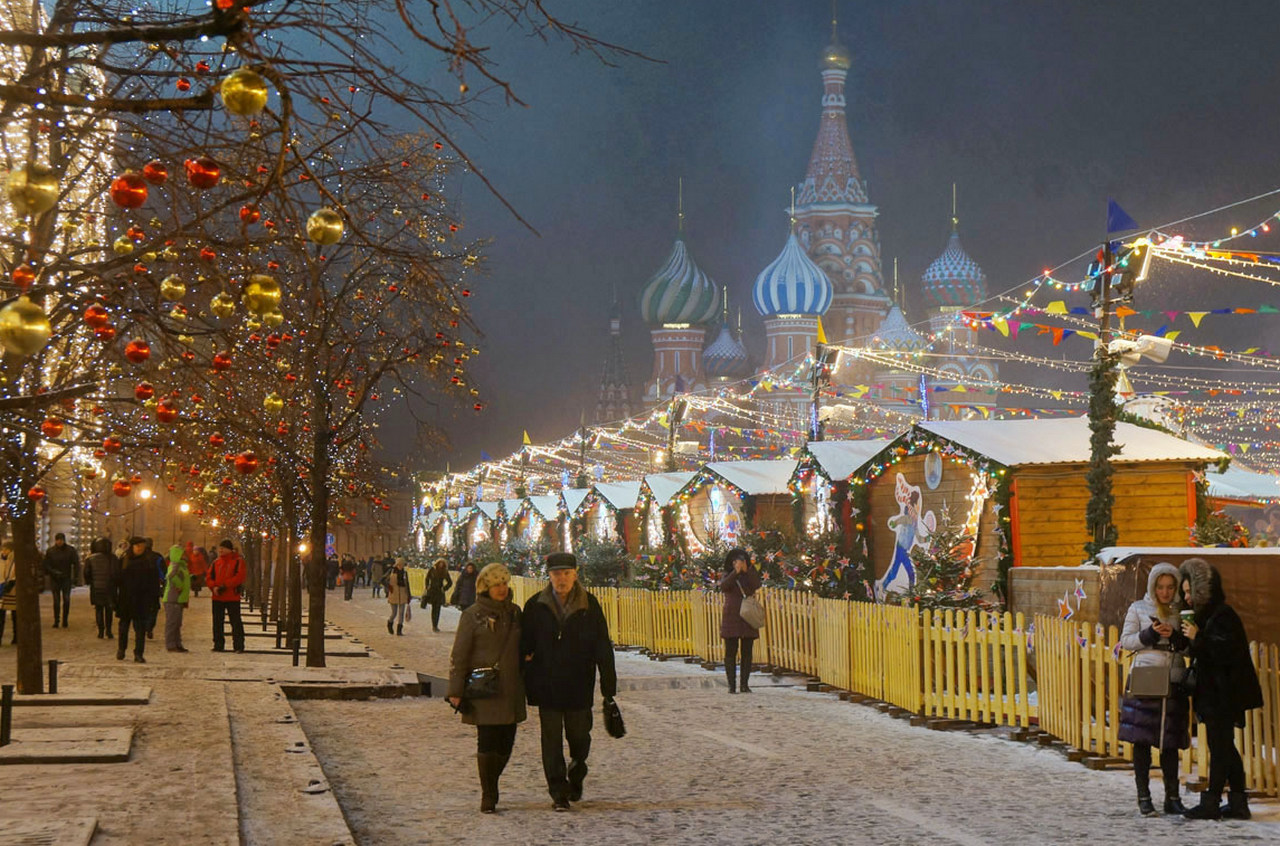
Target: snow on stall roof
761,476
838,460
511,507
573,497
489,509
547,506
1243,483
620,495
666,485
429,522
1063,440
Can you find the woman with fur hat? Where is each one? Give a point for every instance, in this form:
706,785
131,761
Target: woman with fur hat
489,636
398,597
740,581
1150,631
437,582
1226,685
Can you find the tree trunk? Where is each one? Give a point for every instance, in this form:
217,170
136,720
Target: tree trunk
319,539
30,583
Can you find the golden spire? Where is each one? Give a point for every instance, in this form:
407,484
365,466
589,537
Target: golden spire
680,207
955,221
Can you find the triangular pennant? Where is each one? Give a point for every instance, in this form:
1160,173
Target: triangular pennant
1196,317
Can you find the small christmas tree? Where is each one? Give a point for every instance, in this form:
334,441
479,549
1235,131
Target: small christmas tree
944,569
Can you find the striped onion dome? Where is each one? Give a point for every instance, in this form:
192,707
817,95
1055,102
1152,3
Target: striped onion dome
679,293
725,357
792,284
896,334
954,279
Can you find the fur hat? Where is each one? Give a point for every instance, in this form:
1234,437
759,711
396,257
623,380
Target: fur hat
493,574
1206,584
561,561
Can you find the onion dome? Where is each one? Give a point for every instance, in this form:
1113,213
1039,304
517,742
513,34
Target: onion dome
836,57
679,293
725,357
954,279
896,334
792,284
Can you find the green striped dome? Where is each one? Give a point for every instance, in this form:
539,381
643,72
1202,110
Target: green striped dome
679,293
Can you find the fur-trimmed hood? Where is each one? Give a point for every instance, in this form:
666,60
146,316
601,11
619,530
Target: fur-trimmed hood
1206,584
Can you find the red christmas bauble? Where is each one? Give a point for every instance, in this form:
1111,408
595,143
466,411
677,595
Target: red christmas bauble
23,275
144,391
216,440
137,351
51,427
166,411
203,172
121,488
183,84
105,333
250,214
96,316
246,463
221,361
129,190
155,172
112,444
208,254
36,493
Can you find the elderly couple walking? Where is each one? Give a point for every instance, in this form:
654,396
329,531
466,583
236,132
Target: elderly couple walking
548,653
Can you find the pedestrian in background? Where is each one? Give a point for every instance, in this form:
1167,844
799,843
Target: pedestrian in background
565,640
348,568
438,581
226,575
464,593
177,592
398,597
8,581
197,565
100,571
740,581
61,563
136,593
1151,632
378,574
1226,685
162,570
489,636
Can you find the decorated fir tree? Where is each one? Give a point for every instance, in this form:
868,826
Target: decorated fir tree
944,568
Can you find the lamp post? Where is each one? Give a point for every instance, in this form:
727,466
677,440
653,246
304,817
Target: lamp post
182,510
145,496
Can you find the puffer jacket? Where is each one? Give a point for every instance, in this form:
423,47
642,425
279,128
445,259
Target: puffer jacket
1155,722
489,635
226,575
737,586
100,570
1226,683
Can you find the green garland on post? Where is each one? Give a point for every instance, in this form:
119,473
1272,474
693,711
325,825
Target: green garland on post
1102,446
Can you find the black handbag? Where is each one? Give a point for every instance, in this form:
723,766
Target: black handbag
482,683
613,719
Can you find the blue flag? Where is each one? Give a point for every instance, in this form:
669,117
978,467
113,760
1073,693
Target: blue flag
484,456
1118,219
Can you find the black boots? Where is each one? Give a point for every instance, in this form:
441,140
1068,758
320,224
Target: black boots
1173,805
390,630
1145,806
400,628
1237,807
577,774
490,765
1207,809
731,672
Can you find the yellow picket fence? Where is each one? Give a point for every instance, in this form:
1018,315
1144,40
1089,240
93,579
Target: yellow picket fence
1081,684
975,667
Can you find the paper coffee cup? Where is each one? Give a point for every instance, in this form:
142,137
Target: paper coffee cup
1188,615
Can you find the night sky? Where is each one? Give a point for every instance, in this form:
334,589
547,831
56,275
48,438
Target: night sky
1038,112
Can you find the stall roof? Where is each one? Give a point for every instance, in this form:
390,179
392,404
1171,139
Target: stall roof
489,509
1063,440
838,460
763,476
620,495
511,507
573,497
429,522
664,486
547,506
1242,483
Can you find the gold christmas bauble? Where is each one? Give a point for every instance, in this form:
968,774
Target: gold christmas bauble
261,294
272,318
186,340
173,288
244,92
24,327
32,189
122,246
273,404
222,305
325,226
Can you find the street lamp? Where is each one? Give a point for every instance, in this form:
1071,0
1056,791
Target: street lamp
183,509
145,496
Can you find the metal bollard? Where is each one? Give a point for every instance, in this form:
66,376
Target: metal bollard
53,675
297,645
6,713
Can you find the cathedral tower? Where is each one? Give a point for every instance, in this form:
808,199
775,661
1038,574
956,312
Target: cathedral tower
614,402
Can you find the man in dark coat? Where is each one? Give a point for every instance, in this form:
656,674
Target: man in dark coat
137,591
565,639
1226,685
61,561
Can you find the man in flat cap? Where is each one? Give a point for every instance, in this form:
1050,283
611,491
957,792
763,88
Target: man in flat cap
565,639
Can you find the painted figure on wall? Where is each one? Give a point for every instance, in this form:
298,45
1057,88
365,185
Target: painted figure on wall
910,529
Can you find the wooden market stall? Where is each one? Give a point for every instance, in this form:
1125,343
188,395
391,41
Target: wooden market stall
481,523
654,513
821,480
727,498
608,512
537,520
570,526
1249,497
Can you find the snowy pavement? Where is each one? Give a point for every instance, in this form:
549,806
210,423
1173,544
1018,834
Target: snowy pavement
779,765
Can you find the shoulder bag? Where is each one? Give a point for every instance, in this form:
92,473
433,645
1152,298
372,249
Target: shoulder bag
482,682
752,612
1148,682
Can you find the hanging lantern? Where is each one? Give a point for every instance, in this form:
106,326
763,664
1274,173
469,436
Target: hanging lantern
24,327
203,172
121,487
261,294
166,411
173,288
112,444
137,351
222,305
144,391
244,92
325,226
32,189
129,190
155,172
221,361
246,463
273,404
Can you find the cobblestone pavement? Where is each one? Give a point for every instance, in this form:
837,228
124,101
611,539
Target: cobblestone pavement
778,766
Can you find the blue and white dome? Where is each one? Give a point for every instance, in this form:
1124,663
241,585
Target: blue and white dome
679,293
725,357
954,279
896,334
792,284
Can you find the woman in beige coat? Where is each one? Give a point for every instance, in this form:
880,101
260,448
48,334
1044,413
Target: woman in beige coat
489,636
398,596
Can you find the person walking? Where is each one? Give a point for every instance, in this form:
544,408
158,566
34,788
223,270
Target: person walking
136,593
8,582
438,581
565,640
162,570
348,568
489,636
177,592
100,570
464,593
740,581
398,597
1150,631
378,575
226,575
1226,685
197,565
61,563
